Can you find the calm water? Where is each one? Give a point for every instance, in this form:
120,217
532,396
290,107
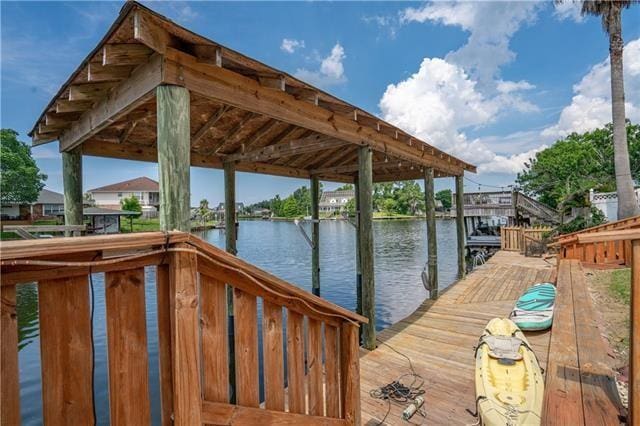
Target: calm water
400,254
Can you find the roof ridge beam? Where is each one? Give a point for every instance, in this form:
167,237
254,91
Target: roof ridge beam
295,147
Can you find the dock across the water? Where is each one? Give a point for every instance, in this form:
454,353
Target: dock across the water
440,336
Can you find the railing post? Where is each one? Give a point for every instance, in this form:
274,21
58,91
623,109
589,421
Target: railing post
350,372
187,396
9,380
432,245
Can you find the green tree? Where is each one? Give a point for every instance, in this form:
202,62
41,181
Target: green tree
561,175
20,177
204,213
409,197
345,187
131,204
445,198
290,207
350,207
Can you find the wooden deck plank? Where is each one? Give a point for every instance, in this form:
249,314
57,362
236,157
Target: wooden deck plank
439,338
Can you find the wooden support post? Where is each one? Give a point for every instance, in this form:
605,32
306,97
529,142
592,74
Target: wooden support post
462,268
72,181
174,148
187,397
10,378
634,339
315,235
365,241
358,270
230,245
350,374
432,245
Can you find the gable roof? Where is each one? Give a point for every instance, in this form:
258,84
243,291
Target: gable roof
49,197
142,184
288,127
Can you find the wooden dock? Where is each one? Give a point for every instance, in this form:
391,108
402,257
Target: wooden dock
440,336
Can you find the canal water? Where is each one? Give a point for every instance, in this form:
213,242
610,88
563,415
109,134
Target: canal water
280,248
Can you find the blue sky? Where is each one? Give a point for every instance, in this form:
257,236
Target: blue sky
491,82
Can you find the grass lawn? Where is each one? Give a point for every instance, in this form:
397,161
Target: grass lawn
139,225
620,285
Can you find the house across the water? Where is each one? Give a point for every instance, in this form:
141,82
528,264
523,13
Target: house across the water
335,201
48,204
146,190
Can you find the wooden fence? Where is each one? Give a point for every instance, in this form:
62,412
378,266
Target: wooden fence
322,350
518,238
601,253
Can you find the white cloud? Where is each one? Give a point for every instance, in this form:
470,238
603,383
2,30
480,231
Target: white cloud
331,71
569,10
490,25
513,86
591,104
291,45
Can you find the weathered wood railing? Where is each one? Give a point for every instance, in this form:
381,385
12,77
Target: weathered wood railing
319,384
601,253
518,238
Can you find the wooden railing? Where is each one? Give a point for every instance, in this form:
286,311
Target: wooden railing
601,253
518,238
319,385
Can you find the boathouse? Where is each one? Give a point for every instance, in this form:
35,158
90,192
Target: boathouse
154,91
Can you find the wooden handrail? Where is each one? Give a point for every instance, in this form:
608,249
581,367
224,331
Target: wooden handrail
618,224
598,237
192,280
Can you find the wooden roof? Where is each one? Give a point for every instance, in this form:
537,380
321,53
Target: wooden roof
244,111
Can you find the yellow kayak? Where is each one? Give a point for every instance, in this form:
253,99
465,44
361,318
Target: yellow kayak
509,382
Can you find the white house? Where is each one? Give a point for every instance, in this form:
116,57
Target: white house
335,201
146,190
607,202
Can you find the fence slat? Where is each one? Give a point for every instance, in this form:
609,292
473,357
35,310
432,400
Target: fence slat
314,363
127,343
273,356
9,380
186,349
65,351
215,340
164,302
295,362
246,342
331,364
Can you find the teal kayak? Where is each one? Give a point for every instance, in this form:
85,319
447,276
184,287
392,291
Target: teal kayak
534,309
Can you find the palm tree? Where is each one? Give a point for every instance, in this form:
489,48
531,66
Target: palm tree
611,11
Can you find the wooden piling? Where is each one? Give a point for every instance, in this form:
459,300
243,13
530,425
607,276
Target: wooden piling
72,182
634,340
365,241
231,247
432,245
462,269
315,235
174,147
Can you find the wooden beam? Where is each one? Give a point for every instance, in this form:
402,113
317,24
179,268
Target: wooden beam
365,241
461,237
227,414
233,132
228,87
215,117
125,54
309,144
127,131
65,105
90,91
432,244
174,157
276,82
98,72
303,94
10,378
208,54
62,119
259,134
123,98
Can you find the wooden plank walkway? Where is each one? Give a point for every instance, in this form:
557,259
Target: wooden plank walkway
439,338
